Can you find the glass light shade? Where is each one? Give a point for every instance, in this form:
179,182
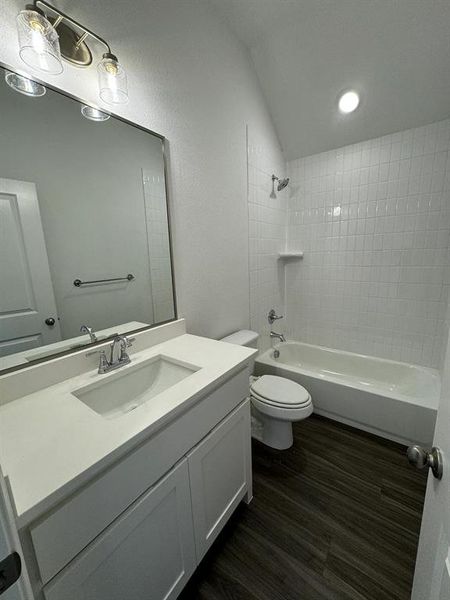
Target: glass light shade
93,114
112,81
24,85
38,42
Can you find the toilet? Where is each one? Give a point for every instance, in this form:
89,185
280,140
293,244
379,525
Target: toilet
276,401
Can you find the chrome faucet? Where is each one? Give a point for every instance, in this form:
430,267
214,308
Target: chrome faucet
278,336
90,331
110,364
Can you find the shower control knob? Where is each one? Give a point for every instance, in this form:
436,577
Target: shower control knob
420,458
50,321
272,316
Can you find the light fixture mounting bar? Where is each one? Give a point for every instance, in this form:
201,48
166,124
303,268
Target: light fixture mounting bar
60,17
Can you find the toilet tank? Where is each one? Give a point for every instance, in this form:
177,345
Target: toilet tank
243,337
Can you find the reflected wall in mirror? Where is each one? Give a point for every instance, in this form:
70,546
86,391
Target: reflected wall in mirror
79,200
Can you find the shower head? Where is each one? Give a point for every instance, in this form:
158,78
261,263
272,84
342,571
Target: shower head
282,183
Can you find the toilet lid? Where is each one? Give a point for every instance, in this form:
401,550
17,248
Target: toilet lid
279,390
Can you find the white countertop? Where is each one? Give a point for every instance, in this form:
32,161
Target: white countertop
51,442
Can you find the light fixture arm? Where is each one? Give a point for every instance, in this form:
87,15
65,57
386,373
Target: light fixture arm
41,5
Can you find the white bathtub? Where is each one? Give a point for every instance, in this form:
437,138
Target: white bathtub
391,399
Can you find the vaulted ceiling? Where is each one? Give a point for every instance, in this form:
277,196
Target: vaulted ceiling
395,53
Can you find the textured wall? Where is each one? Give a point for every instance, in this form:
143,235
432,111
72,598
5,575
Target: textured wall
192,81
373,220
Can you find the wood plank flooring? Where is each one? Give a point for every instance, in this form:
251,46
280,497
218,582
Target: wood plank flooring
337,516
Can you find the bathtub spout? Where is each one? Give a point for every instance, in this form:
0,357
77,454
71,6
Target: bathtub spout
278,336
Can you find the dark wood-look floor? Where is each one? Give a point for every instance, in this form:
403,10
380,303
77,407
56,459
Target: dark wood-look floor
335,517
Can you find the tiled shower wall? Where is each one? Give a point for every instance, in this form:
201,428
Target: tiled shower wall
158,246
267,232
373,221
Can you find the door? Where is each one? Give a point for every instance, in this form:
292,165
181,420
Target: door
432,575
146,554
26,292
220,473
9,544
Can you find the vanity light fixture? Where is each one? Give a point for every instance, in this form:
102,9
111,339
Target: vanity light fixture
38,40
46,35
24,85
349,101
93,114
112,80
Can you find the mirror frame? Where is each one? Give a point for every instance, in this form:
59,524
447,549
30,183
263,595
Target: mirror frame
164,142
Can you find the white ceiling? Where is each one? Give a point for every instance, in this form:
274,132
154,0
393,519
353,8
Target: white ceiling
396,53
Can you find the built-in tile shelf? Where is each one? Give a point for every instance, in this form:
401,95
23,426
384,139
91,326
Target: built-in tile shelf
290,255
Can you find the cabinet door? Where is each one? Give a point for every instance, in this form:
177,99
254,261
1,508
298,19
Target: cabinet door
220,475
146,554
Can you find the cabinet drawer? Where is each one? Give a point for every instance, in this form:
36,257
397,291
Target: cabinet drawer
147,553
69,528
220,471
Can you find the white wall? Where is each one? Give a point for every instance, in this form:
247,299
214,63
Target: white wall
373,220
192,81
267,234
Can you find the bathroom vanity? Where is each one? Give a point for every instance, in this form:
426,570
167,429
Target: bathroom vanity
119,483
113,483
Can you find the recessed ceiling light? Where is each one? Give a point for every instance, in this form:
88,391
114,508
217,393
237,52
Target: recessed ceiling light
348,102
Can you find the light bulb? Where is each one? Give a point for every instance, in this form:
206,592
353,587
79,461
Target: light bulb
348,102
34,23
112,80
38,41
111,67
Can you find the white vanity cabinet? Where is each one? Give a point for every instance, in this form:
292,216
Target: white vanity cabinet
139,529
220,475
146,553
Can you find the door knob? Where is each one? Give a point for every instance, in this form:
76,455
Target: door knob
420,458
50,321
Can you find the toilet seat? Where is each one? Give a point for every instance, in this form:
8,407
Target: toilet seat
280,392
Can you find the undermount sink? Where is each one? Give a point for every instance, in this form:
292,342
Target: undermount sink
132,386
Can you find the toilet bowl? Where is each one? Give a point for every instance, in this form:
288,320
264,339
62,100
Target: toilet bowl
276,402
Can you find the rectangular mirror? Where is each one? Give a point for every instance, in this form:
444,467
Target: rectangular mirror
84,231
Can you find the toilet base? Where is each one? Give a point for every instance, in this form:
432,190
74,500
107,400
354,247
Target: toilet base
272,432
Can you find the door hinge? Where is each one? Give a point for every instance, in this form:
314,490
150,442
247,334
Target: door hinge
10,570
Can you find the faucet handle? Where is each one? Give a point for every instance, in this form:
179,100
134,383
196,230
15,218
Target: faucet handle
104,363
125,342
272,316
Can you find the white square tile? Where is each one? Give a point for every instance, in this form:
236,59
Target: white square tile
365,210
